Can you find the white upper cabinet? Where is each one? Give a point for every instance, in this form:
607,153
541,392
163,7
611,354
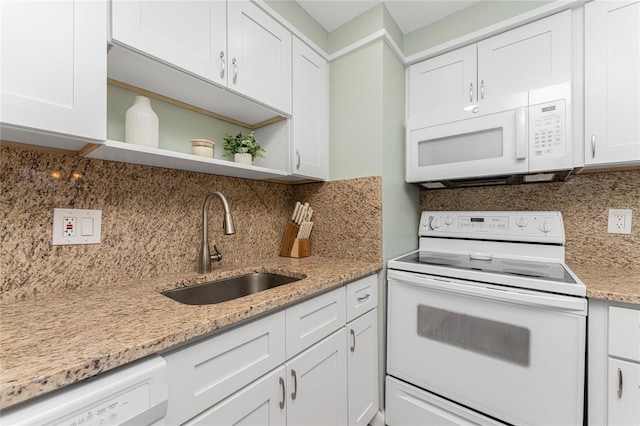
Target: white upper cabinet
53,72
234,44
612,83
310,139
191,35
445,83
259,59
495,74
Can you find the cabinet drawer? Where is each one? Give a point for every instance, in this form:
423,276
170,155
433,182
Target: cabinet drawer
624,333
310,321
362,296
207,371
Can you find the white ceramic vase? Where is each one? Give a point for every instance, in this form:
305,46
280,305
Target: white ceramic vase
243,158
141,124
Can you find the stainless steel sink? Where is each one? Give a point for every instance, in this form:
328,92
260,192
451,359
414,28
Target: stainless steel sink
228,288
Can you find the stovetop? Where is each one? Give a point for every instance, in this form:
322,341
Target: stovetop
515,249
521,268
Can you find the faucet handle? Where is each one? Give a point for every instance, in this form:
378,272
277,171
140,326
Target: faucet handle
217,257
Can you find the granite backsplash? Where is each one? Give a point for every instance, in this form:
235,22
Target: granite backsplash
151,220
584,200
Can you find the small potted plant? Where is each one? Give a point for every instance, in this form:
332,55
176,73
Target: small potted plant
244,148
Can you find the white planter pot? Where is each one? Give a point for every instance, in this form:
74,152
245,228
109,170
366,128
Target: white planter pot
242,158
142,126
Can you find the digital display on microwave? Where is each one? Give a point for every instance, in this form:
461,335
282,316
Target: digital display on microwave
549,108
477,219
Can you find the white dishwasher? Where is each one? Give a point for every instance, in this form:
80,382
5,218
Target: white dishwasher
134,394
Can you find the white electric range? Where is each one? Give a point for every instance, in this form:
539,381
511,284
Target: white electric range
486,323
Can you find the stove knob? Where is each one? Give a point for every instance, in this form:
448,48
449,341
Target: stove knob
522,222
546,227
448,220
436,223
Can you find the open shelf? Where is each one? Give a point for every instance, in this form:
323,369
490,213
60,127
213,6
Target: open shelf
138,154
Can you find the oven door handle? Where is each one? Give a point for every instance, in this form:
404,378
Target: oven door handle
547,300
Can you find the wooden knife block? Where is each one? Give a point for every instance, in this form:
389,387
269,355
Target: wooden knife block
301,248
291,247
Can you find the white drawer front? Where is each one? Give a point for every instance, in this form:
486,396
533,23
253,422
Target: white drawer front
205,372
624,332
362,296
310,321
408,406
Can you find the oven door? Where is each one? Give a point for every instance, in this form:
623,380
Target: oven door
515,355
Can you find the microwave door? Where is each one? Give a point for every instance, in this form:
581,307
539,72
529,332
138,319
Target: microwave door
489,145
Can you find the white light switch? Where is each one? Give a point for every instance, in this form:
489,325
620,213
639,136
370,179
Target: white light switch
76,226
86,226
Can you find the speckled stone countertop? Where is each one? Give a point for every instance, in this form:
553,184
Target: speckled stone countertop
52,341
610,283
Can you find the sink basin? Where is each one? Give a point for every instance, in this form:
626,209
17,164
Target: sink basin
228,288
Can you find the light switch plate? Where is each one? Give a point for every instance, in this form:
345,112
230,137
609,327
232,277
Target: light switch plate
76,226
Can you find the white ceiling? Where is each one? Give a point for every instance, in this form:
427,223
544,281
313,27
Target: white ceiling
408,14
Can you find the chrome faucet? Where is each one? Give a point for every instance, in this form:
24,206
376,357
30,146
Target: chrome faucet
204,257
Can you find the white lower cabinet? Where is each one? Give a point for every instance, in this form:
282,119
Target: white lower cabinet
260,403
317,379
362,366
244,376
614,364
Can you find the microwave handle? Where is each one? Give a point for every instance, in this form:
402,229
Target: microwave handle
521,133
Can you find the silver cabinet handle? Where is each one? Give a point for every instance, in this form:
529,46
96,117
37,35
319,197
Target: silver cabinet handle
470,92
353,335
620,384
222,64
482,89
298,161
363,298
295,385
283,393
235,70
593,146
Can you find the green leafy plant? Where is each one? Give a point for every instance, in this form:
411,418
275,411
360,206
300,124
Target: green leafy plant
242,144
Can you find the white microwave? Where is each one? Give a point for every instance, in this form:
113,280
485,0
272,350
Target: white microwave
529,143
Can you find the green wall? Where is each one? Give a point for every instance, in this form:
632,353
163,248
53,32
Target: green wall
466,21
301,20
355,114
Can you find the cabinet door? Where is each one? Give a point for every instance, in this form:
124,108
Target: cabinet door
440,88
612,82
190,35
53,73
317,387
261,403
624,393
530,57
207,371
259,56
309,119
362,368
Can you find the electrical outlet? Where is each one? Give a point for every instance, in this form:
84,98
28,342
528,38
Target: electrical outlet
76,226
619,221
68,226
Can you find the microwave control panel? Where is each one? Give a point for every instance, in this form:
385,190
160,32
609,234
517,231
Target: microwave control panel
547,130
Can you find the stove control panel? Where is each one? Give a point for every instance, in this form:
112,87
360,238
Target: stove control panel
544,227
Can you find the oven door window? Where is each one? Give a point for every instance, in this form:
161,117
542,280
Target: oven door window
492,338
